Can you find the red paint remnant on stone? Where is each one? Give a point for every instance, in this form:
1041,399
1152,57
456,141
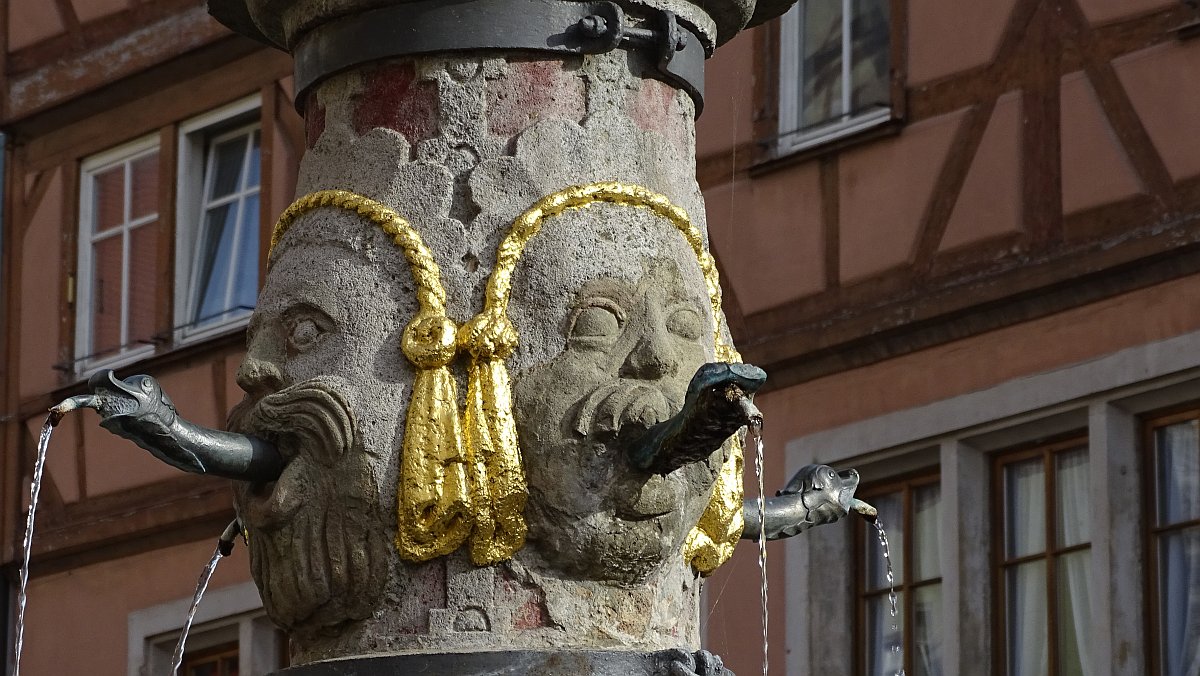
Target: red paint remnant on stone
655,107
531,615
531,91
393,98
314,120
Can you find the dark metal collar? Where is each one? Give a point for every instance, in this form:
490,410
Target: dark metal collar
555,26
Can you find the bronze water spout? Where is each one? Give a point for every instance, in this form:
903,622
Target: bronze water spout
137,409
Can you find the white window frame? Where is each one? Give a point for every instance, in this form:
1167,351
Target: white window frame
226,615
195,135
791,139
1104,396
125,154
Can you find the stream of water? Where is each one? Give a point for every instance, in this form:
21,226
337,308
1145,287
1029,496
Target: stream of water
35,489
201,586
754,435
891,580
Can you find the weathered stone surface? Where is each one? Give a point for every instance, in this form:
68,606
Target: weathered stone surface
611,308
524,663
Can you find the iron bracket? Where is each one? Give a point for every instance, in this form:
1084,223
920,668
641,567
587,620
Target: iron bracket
431,26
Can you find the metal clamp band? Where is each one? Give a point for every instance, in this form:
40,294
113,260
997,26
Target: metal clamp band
431,26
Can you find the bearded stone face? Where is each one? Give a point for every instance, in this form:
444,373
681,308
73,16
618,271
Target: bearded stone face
631,351
319,541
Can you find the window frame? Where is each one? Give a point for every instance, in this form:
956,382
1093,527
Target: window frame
1051,553
789,138
85,363
228,614
191,189
1153,606
906,485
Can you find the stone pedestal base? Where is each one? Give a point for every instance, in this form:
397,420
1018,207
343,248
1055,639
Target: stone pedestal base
522,663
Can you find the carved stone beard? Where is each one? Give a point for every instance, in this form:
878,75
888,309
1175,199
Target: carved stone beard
318,552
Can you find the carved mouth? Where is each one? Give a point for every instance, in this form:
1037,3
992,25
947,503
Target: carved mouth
312,426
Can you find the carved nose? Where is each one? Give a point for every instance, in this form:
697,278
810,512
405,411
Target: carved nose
259,373
652,357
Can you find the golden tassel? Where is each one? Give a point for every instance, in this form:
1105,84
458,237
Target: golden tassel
499,487
433,498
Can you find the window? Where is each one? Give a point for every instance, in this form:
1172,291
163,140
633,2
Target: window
1175,544
119,263
217,220
910,511
231,636
835,75
221,660
1044,560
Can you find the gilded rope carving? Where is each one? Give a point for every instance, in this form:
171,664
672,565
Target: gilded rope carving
434,497
458,482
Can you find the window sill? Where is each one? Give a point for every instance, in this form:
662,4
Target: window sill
88,367
779,153
192,334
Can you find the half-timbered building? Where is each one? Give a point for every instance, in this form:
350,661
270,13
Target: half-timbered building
962,238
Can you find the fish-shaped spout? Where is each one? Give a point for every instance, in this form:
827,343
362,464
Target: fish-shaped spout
816,495
137,409
718,403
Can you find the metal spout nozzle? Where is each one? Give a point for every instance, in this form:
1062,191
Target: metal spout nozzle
735,394
864,510
70,404
229,537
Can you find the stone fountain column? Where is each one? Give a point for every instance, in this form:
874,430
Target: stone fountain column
420,514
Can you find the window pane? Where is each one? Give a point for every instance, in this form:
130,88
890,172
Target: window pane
1024,508
144,187
246,280
1178,472
143,282
252,175
1072,481
927,510
1074,613
869,54
213,257
1026,627
106,296
108,198
820,61
227,157
891,517
1179,601
927,631
885,636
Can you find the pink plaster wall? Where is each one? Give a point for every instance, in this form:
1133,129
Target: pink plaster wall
61,465
947,36
1095,168
1101,11
88,10
989,203
767,235
728,117
1161,83
31,21
77,622
40,290
883,193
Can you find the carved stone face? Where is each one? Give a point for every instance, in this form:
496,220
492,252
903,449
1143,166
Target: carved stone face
318,543
631,350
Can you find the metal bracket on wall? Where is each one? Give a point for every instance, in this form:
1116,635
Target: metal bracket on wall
555,26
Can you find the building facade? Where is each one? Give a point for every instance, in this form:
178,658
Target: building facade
961,238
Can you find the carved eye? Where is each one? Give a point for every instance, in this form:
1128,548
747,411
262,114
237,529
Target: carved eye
146,385
685,323
599,319
305,328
